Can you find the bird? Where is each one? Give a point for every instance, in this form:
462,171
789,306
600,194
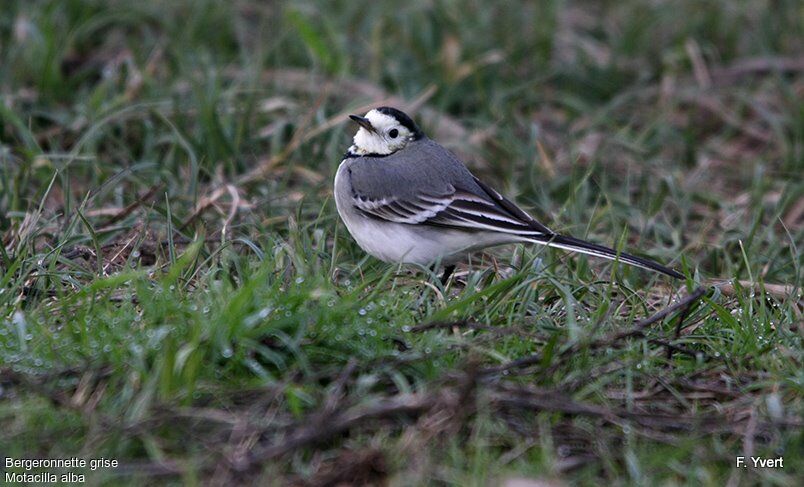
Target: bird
404,198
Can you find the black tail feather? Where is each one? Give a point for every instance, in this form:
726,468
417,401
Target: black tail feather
578,245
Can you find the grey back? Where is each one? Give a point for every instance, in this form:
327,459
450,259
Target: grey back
423,166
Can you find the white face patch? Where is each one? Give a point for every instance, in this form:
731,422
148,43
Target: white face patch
389,135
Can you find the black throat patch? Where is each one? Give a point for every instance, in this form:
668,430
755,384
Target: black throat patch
351,155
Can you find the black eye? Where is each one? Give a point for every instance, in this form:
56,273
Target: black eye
393,133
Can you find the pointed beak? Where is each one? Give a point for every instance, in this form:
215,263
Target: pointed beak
363,122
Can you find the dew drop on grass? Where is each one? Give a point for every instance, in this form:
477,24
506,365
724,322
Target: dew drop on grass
299,280
362,312
406,328
227,352
372,332
107,348
330,303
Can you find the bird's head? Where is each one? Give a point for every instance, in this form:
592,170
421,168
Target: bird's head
383,131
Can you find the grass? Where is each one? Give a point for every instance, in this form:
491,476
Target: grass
177,292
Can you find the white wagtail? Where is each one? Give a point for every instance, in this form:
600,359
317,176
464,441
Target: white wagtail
407,199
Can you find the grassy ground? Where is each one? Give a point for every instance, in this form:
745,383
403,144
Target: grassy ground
177,292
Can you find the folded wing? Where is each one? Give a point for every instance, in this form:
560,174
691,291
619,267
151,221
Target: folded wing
454,208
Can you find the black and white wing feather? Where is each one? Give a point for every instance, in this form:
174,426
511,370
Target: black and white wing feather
412,210
454,208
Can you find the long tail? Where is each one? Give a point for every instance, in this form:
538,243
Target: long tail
577,245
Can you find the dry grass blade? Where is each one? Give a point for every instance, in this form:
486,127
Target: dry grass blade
124,212
637,330
266,166
780,291
757,66
308,434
